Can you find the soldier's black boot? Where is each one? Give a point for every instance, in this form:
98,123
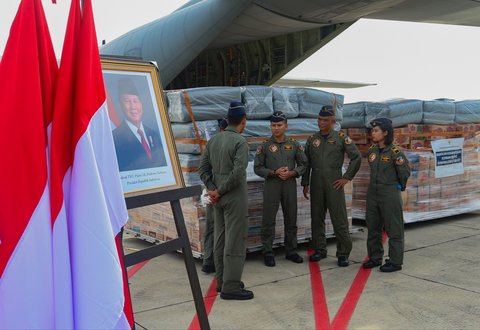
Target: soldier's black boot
343,261
207,269
269,260
295,257
240,295
371,263
317,256
388,267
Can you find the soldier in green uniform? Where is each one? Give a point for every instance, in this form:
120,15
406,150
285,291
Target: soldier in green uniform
389,172
208,265
223,171
325,151
280,160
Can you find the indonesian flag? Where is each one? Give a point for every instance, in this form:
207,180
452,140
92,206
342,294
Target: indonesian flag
96,209
27,82
61,159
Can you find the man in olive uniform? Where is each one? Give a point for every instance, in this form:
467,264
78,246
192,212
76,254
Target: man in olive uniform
223,171
208,265
389,172
280,160
325,151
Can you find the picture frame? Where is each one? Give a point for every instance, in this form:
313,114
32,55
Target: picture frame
143,138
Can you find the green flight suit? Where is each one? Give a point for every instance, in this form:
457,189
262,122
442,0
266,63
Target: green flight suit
208,239
326,156
389,172
270,156
223,168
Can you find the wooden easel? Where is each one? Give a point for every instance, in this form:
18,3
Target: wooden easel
181,242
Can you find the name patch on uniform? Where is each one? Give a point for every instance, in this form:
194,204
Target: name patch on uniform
348,140
372,157
259,150
316,143
273,148
288,147
385,158
331,142
400,160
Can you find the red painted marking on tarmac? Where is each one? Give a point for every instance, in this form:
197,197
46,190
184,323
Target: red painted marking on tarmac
135,268
320,308
345,312
208,300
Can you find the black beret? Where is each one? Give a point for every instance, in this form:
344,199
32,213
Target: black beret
222,123
236,109
383,123
126,86
277,117
326,111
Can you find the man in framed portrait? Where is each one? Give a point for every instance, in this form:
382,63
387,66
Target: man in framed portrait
137,145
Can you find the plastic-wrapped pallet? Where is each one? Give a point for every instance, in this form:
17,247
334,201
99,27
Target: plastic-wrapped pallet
467,112
312,100
286,100
258,101
438,112
207,103
403,112
185,135
354,115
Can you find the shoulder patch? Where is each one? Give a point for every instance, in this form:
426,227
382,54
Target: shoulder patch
395,150
259,149
348,140
400,160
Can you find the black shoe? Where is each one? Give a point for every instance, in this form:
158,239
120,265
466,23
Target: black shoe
317,256
388,267
240,295
242,286
371,263
343,261
207,269
269,261
295,257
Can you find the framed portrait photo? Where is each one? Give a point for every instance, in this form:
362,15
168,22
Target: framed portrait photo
143,138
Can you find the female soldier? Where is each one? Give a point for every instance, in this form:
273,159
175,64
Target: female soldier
389,171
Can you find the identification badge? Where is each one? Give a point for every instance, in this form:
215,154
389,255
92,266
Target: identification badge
385,158
273,148
331,141
288,147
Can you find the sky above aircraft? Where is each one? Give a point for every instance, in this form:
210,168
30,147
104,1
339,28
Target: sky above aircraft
405,60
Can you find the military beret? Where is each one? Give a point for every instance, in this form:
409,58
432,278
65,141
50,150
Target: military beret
383,123
277,117
127,86
326,111
236,109
222,123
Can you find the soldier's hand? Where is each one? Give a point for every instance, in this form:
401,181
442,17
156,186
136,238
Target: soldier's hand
340,183
285,175
306,191
214,196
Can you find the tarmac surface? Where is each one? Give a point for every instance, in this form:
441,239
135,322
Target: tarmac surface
438,287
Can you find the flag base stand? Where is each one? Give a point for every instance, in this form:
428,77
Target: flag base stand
180,243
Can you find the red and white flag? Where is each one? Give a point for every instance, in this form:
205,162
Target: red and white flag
27,84
61,159
96,209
